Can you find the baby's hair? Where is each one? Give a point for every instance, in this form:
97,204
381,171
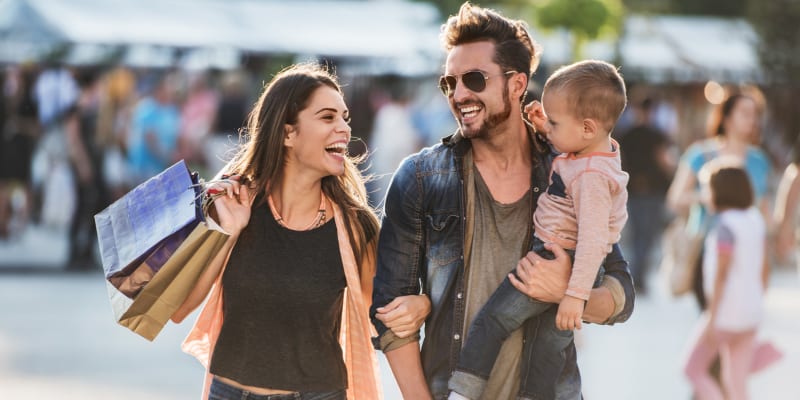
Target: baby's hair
593,89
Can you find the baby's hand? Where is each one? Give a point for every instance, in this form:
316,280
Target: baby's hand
536,115
570,313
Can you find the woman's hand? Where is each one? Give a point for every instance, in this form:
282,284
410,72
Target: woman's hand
405,314
232,204
542,279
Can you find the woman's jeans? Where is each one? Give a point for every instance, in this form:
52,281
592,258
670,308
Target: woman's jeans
222,391
543,351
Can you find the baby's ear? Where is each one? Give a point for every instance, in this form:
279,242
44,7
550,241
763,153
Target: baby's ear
590,128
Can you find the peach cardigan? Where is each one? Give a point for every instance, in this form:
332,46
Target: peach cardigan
356,329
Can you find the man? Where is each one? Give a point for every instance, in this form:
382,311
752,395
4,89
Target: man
458,219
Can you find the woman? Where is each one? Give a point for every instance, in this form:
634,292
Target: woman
732,128
279,321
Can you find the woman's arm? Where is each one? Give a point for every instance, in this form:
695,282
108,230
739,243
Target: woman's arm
204,283
406,366
233,210
682,193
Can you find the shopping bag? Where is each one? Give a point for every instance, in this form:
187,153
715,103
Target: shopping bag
153,306
681,249
154,244
142,223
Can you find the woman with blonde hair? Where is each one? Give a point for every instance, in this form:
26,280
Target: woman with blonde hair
290,290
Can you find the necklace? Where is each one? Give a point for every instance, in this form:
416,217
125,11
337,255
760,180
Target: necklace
317,222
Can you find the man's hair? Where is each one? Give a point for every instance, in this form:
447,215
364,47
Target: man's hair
514,48
593,89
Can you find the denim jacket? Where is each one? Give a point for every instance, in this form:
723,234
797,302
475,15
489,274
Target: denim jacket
421,250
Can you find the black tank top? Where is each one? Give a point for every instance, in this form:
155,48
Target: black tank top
282,303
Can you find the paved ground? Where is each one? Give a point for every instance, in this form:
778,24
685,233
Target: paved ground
58,340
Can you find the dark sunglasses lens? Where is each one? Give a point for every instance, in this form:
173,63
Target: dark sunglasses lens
474,81
447,84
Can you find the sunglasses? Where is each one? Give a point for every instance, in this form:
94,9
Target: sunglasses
475,81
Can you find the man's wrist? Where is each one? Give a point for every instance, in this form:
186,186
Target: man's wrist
617,295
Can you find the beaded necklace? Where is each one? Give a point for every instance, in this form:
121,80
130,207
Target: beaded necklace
317,222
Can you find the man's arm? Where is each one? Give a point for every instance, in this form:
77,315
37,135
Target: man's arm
546,280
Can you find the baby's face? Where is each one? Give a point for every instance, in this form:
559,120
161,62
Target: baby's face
563,129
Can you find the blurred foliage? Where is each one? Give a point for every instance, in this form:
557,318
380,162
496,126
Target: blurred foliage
723,8
584,19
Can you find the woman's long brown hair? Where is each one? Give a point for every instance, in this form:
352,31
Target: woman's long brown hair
261,157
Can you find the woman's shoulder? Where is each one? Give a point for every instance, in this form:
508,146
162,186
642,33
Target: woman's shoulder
757,154
699,152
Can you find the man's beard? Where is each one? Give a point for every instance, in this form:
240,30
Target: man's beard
491,122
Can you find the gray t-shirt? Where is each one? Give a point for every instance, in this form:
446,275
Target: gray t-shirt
499,240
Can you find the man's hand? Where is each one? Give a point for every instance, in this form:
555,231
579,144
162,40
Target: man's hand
542,279
570,311
405,314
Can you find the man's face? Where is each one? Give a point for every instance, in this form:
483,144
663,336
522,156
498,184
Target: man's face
479,113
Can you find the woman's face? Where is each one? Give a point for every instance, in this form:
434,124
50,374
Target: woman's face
742,121
317,143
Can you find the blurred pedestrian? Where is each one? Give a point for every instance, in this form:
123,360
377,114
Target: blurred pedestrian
735,275
86,159
731,130
301,232
117,101
19,134
231,114
393,136
198,114
647,156
787,201
153,140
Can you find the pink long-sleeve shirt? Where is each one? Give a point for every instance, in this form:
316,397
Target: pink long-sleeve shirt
584,209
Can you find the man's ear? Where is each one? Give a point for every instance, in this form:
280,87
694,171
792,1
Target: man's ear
590,128
519,84
289,133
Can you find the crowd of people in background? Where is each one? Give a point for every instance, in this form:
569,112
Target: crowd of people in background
85,136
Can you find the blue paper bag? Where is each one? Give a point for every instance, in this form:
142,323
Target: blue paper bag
139,232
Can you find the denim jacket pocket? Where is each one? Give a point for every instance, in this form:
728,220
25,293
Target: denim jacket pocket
441,229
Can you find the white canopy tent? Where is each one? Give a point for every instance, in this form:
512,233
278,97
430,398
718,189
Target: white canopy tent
661,49
401,33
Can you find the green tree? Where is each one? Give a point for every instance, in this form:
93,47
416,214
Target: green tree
584,19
